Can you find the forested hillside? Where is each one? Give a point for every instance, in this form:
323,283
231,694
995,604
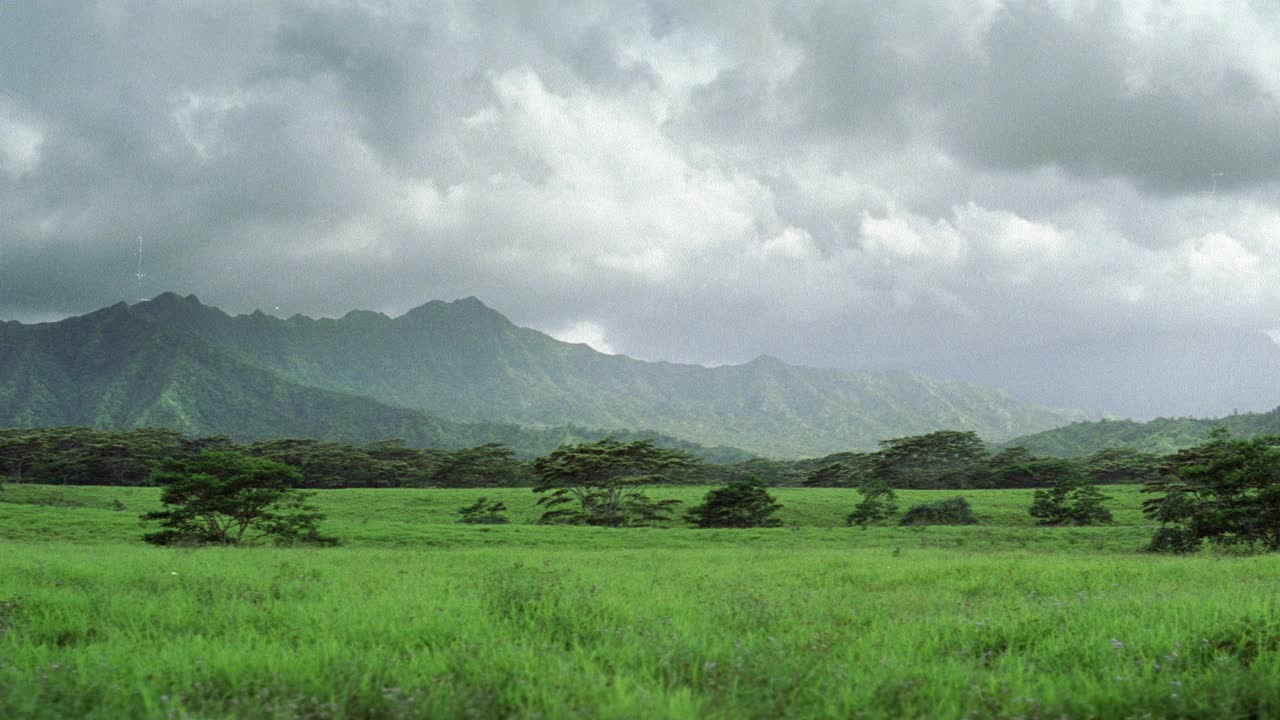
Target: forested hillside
117,369
465,361
1160,436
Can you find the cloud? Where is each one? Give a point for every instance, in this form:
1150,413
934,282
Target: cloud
832,183
587,333
20,141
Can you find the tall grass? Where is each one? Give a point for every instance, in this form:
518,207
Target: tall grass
997,620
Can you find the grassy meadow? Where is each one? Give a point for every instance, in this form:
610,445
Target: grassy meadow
418,616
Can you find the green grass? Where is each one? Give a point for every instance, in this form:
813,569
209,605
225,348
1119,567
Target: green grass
418,616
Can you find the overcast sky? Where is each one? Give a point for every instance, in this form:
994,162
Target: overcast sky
832,183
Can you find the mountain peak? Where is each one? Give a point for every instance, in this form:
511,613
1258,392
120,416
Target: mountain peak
172,299
470,302
468,309
766,361
363,315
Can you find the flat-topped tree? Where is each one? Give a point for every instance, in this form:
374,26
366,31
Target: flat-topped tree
603,482
224,497
942,459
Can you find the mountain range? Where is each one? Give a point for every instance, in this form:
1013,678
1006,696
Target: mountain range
449,374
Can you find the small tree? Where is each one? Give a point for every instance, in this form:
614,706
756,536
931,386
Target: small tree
484,512
879,501
226,498
742,504
953,511
1077,503
603,482
1070,498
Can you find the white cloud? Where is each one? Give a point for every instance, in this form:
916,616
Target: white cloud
822,182
21,141
586,333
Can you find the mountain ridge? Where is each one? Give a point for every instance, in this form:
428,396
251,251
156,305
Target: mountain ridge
441,370
114,369
463,360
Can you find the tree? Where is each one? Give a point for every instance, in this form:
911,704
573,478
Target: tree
1070,499
484,512
1225,491
603,482
1116,466
879,501
322,463
742,504
953,511
836,474
224,497
943,459
400,466
1013,467
491,465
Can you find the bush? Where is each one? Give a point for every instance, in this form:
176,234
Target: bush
484,512
743,504
953,511
1173,540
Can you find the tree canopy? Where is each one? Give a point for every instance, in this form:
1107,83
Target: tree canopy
1226,492
947,458
603,482
224,497
742,504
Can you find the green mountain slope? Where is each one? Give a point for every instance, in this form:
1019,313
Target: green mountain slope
117,369
464,361
1160,436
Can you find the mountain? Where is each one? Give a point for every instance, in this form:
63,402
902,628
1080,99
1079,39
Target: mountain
464,361
1205,372
116,368
1159,436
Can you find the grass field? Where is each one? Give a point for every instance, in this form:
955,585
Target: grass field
417,616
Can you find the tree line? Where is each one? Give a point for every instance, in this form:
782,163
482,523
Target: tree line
85,456
225,497
1225,492
940,460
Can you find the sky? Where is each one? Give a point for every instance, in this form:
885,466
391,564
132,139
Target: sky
836,184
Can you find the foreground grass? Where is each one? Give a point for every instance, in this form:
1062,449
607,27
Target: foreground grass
419,617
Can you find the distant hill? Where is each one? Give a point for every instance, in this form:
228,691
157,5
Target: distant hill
1160,436
116,368
1205,372
464,361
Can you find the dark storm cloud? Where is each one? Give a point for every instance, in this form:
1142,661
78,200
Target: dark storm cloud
833,183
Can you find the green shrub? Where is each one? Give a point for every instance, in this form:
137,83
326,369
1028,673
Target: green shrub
741,504
952,511
484,512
